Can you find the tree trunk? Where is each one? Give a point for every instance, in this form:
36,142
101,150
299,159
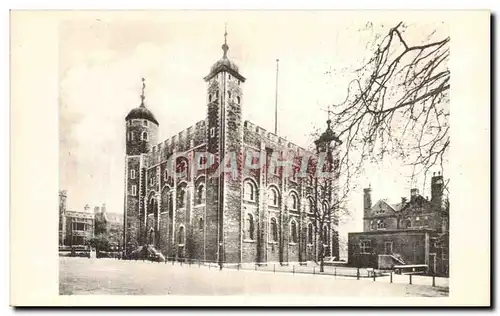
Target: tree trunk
322,258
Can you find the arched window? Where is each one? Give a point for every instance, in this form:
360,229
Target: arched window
181,235
217,94
229,94
181,198
310,233
200,194
325,235
325,208
308,205
273,197
200,223
153,205
274,230
144,135
182,167
249,227
210,97
238,99
249,191
293,231
293,201
166,175
170,205
380,224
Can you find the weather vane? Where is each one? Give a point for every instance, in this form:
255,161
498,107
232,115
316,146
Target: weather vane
142,94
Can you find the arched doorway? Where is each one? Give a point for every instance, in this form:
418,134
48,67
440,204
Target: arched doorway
151,237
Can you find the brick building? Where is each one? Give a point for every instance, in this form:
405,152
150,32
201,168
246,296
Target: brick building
176,201
414,231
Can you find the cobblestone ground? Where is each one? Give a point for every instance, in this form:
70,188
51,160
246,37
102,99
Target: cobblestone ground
108,276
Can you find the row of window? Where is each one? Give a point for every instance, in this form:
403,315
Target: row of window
249,230
406,223
365,247
144,122
131,136
200,196
80,226
229,95
250,195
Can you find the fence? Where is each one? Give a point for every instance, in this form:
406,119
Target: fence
365,274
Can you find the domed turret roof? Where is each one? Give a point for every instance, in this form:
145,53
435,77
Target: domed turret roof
224,61
141,112
225,64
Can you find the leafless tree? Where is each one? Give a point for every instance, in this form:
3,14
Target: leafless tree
397,106
327,198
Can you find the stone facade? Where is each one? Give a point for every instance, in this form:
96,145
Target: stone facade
415,231
76,228
177,199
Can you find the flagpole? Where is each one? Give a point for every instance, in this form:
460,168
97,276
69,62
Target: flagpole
276,100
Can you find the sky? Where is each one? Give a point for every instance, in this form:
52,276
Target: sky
102,61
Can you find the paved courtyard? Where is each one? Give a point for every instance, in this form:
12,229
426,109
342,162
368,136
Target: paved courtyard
107,276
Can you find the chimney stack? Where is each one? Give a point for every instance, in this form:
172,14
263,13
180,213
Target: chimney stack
103,208
404,200
413,194
437,187
86,208
367,200
96,209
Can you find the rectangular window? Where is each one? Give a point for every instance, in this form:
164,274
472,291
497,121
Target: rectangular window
78,226
134,190
444,254
388,247
145,123
131,135
132,174
212,132
77,240
365,246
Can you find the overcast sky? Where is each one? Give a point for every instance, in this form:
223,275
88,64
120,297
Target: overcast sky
102,61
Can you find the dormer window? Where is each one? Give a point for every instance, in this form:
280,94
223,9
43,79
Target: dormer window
145,123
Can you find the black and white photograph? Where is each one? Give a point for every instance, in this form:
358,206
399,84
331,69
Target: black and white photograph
257,153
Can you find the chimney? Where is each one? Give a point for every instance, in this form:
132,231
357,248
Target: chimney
103,208
86,208
413,194
96,209
404,200
437,186
367,200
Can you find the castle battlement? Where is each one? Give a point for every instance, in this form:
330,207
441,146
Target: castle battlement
178,208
